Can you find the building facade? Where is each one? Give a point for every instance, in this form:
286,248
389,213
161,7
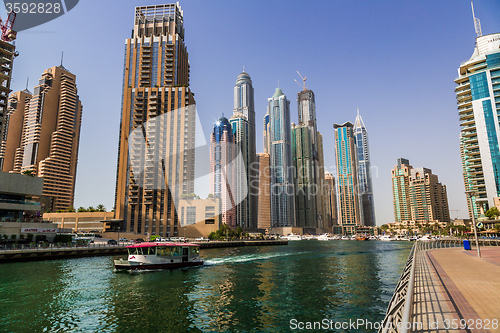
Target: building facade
345,153
282,188
330,200
366,204
477,93
243,210
7,54
221,169
418,195
156,159
46,145
264,197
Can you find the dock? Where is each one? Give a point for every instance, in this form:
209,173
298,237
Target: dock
27,253
445,288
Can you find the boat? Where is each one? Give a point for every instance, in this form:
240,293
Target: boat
293,237
324,237
386,238
361,238
160,255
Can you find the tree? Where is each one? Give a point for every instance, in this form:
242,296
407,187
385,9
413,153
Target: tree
239,231
210,196
188,196
81,209
28,173
100,208
497,227
492,213
91,209
70,209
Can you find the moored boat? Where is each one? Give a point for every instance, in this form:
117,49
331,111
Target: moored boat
361,238
160,255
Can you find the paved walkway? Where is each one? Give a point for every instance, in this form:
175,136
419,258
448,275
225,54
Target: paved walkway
453,284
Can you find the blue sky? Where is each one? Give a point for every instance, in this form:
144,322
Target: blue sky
395,60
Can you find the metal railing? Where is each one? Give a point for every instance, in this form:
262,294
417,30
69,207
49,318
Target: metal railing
400,307
56,246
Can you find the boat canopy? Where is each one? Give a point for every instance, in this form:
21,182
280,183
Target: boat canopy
155,244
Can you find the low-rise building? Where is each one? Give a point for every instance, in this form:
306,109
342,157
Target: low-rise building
83,221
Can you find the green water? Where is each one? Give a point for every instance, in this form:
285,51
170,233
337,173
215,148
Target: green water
246,289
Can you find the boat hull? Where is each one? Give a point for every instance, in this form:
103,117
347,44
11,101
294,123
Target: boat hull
128,266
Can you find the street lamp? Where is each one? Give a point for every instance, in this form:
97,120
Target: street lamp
470,195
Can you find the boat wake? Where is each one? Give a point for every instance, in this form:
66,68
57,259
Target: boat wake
244,258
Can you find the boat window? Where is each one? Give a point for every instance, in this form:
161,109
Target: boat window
151,251
136,251
177,251
194,250
163,251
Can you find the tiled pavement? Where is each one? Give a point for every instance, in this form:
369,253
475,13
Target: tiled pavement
454,288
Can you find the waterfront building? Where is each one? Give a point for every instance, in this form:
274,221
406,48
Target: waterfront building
264,196
477,92
242,212
7,54
367,207
156,159
306,190
330,200
43,134
221,169
282,189
244,104
16,198
347,177
419,191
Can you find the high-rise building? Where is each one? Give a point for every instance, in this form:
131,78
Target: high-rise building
401,190
264,197
221,169
304,167
420,192
330,200
367,208
477,93
17,108
46,145
347,177
244,104
241,128
157,132
282,189
7,54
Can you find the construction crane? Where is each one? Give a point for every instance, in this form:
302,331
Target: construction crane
8,35
304,79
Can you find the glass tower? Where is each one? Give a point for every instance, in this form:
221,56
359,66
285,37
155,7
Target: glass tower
478,98
364,173
282,189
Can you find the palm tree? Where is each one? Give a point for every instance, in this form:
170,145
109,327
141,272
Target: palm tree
100,208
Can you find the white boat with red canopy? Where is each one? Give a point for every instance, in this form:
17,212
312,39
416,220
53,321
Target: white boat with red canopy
155,255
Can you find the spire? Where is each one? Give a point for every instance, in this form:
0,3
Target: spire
358,123
477,23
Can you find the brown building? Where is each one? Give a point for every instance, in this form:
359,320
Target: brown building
46,144
264,196
157,131
418,195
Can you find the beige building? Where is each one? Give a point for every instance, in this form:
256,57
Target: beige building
418,195
264,196
82,221
330,200
198,217
157,132
47,142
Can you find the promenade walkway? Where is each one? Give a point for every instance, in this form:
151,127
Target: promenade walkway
455,291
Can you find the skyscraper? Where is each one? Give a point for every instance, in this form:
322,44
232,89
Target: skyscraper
345,153
477,93
244,104
418,195
266,142
7,54
282,189
221,169
157,131
364,173
47,142
264,197
330,200
241,129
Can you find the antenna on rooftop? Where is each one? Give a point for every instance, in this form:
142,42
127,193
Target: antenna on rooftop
62,56
27,81
477,23
304,79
